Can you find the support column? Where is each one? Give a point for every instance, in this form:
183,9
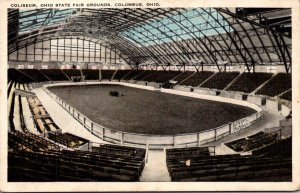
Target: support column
121,139
174,144
215,135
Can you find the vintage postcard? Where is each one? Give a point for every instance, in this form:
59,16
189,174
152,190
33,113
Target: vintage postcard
154,95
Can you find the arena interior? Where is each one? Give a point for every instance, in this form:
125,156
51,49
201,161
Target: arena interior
165,94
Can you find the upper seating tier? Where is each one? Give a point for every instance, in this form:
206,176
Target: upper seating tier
107,74
220,80
91,74
18,76
35,74
248,82
197,78
55,74
120,74
278,84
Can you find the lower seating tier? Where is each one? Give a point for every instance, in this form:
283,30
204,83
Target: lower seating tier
67,139
29,141
120,150
252,142
71,166
269,164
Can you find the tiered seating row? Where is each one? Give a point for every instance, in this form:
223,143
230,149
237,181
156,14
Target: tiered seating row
280,148
278,84
264,165
133,74
15,106
143,75
161,76
54,74
253,142
72,166
72,72
248,82
18,76
41,117
120,150
10,86
287,95
35,74
107,74
231,168
91,74
220,80
120,74
183,76
29,142
197,78
182,153
67,139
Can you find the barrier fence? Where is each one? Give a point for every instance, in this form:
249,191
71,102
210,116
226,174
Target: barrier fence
156,141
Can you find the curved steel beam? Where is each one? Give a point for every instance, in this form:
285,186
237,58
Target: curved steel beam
231,38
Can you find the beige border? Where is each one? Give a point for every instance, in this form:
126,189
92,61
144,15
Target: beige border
156,186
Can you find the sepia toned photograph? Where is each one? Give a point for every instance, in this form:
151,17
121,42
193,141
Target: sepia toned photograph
155,94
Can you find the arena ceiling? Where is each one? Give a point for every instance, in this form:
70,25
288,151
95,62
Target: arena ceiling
181,36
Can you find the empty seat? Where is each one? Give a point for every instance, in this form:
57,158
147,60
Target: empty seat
278,84
197,78
91,74
55,74
248,82
220,80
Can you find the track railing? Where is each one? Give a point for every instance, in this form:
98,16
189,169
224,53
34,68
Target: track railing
156,141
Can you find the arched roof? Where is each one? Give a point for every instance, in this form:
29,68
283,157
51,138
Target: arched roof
172,36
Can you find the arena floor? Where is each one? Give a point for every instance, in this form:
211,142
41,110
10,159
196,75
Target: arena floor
148,112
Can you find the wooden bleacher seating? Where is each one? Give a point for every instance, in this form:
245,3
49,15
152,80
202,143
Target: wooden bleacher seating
254,168
197,78
248,82
278,84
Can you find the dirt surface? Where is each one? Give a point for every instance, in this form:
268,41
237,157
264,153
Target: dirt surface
148,112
